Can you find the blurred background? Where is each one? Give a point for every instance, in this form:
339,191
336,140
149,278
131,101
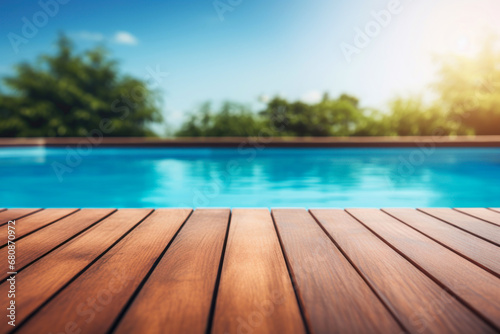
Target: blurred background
247,68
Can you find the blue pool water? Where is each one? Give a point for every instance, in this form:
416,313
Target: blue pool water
250,177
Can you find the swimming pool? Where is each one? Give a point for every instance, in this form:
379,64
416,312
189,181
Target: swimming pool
250,177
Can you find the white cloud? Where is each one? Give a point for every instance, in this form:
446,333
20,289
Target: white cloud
312,96
123,37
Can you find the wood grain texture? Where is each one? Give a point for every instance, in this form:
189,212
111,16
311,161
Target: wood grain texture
481,252
467,223
91,307
334,297
43,241
379,272
418,302
13,214
33,222
473,285
42,279
255,291
177,297
483,214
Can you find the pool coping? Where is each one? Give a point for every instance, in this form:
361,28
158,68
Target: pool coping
292,142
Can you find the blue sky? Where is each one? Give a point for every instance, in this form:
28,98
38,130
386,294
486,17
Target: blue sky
261,48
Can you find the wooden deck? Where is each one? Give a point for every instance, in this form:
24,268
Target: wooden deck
253,271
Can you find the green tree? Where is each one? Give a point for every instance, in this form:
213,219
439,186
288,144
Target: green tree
469,88
232,120
69,94
329,117
412,117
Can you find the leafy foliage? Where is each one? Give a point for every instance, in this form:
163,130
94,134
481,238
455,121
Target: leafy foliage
469,103
233,120
329,117
70,94
412,117
469,88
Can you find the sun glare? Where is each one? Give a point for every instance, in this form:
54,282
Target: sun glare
461,28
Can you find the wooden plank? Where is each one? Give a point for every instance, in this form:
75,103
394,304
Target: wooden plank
334,297
467,223
483,253
483,214
418,302
41,280
31,223
41,242
474,286
92,302
13,214
255,291
177,297
495,209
